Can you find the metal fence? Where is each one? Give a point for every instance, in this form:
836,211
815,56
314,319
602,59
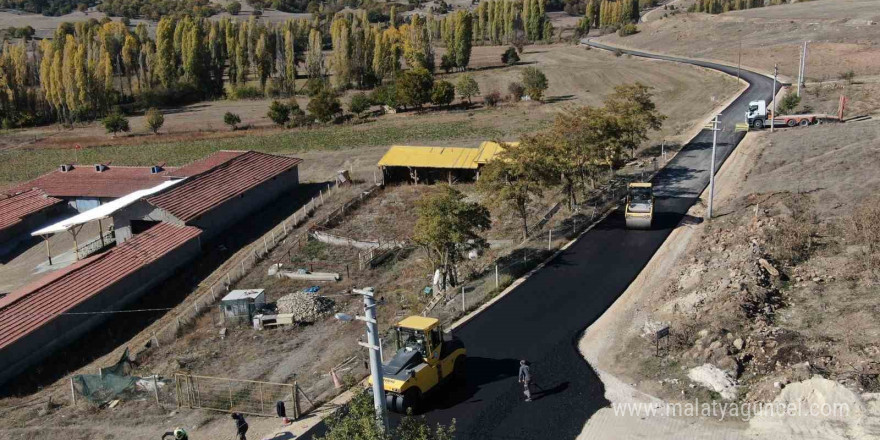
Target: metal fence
235,395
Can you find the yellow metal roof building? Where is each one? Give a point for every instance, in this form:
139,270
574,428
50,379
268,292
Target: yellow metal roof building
440,157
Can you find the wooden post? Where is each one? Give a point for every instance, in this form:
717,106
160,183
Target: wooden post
72,393
295,400
48,250
496,276
262,404
177,388
101,232
230,396
550,238
156,389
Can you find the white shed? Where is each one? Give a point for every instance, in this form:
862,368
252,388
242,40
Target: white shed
241,305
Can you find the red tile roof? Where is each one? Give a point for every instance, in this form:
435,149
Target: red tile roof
203,192
15,208
84,181
207,163
36,304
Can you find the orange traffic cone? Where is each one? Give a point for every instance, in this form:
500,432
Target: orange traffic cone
336,382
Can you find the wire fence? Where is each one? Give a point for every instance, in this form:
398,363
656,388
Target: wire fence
236,395
171,326
546,237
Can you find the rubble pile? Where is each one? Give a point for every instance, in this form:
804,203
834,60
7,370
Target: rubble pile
305,307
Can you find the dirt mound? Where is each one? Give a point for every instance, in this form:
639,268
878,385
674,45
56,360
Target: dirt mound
305,307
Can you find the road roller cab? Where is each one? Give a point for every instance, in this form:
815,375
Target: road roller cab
639,211
425,359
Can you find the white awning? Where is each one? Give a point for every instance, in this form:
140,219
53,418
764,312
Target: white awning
104,210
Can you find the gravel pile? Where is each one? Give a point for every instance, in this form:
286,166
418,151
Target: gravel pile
305,307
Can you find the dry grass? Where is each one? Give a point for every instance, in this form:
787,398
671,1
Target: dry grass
841,37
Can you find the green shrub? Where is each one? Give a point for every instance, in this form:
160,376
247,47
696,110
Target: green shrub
233,7
115,123
278,113
535,83
443,93
510,57
788,103
244,91
359,103
232,120
154,119
627,30
325,106
516,91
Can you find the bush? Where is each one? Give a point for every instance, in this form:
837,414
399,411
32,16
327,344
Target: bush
385,95
793,239
516,91
446,63
232,120
174,96
115,123
443,93
414,87
236,92
154,120
278,113
510,57
848,76
298,117
467,87
492,98
788,103
535,83
314,86
627,30
325,106
359,103
233,8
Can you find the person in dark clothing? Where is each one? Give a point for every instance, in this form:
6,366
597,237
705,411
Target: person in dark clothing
177,434
525,378
241,425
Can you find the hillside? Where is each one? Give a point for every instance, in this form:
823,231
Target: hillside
844,36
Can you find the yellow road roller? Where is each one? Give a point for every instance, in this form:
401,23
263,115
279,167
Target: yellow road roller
426,359
639,205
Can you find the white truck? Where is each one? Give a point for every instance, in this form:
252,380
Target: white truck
759,116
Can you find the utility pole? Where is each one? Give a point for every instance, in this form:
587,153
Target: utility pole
375,352
803,68
740,56
712,166
773,115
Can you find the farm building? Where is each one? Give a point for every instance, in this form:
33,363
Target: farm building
158,229
22,212
432,164
36,320
215,198
85,187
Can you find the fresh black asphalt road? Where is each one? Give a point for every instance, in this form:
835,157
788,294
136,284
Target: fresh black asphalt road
543,319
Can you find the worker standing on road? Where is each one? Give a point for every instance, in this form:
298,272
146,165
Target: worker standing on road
241,425
525,378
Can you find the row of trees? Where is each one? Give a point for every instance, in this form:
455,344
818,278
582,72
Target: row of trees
581,144
90,67
719,6
604,13
572,154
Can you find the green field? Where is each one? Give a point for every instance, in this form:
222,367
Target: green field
22,164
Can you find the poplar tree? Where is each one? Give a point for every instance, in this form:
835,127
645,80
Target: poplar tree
340,60
165,66
314,58
463,39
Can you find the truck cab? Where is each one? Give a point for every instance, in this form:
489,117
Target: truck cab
426,358
756,116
